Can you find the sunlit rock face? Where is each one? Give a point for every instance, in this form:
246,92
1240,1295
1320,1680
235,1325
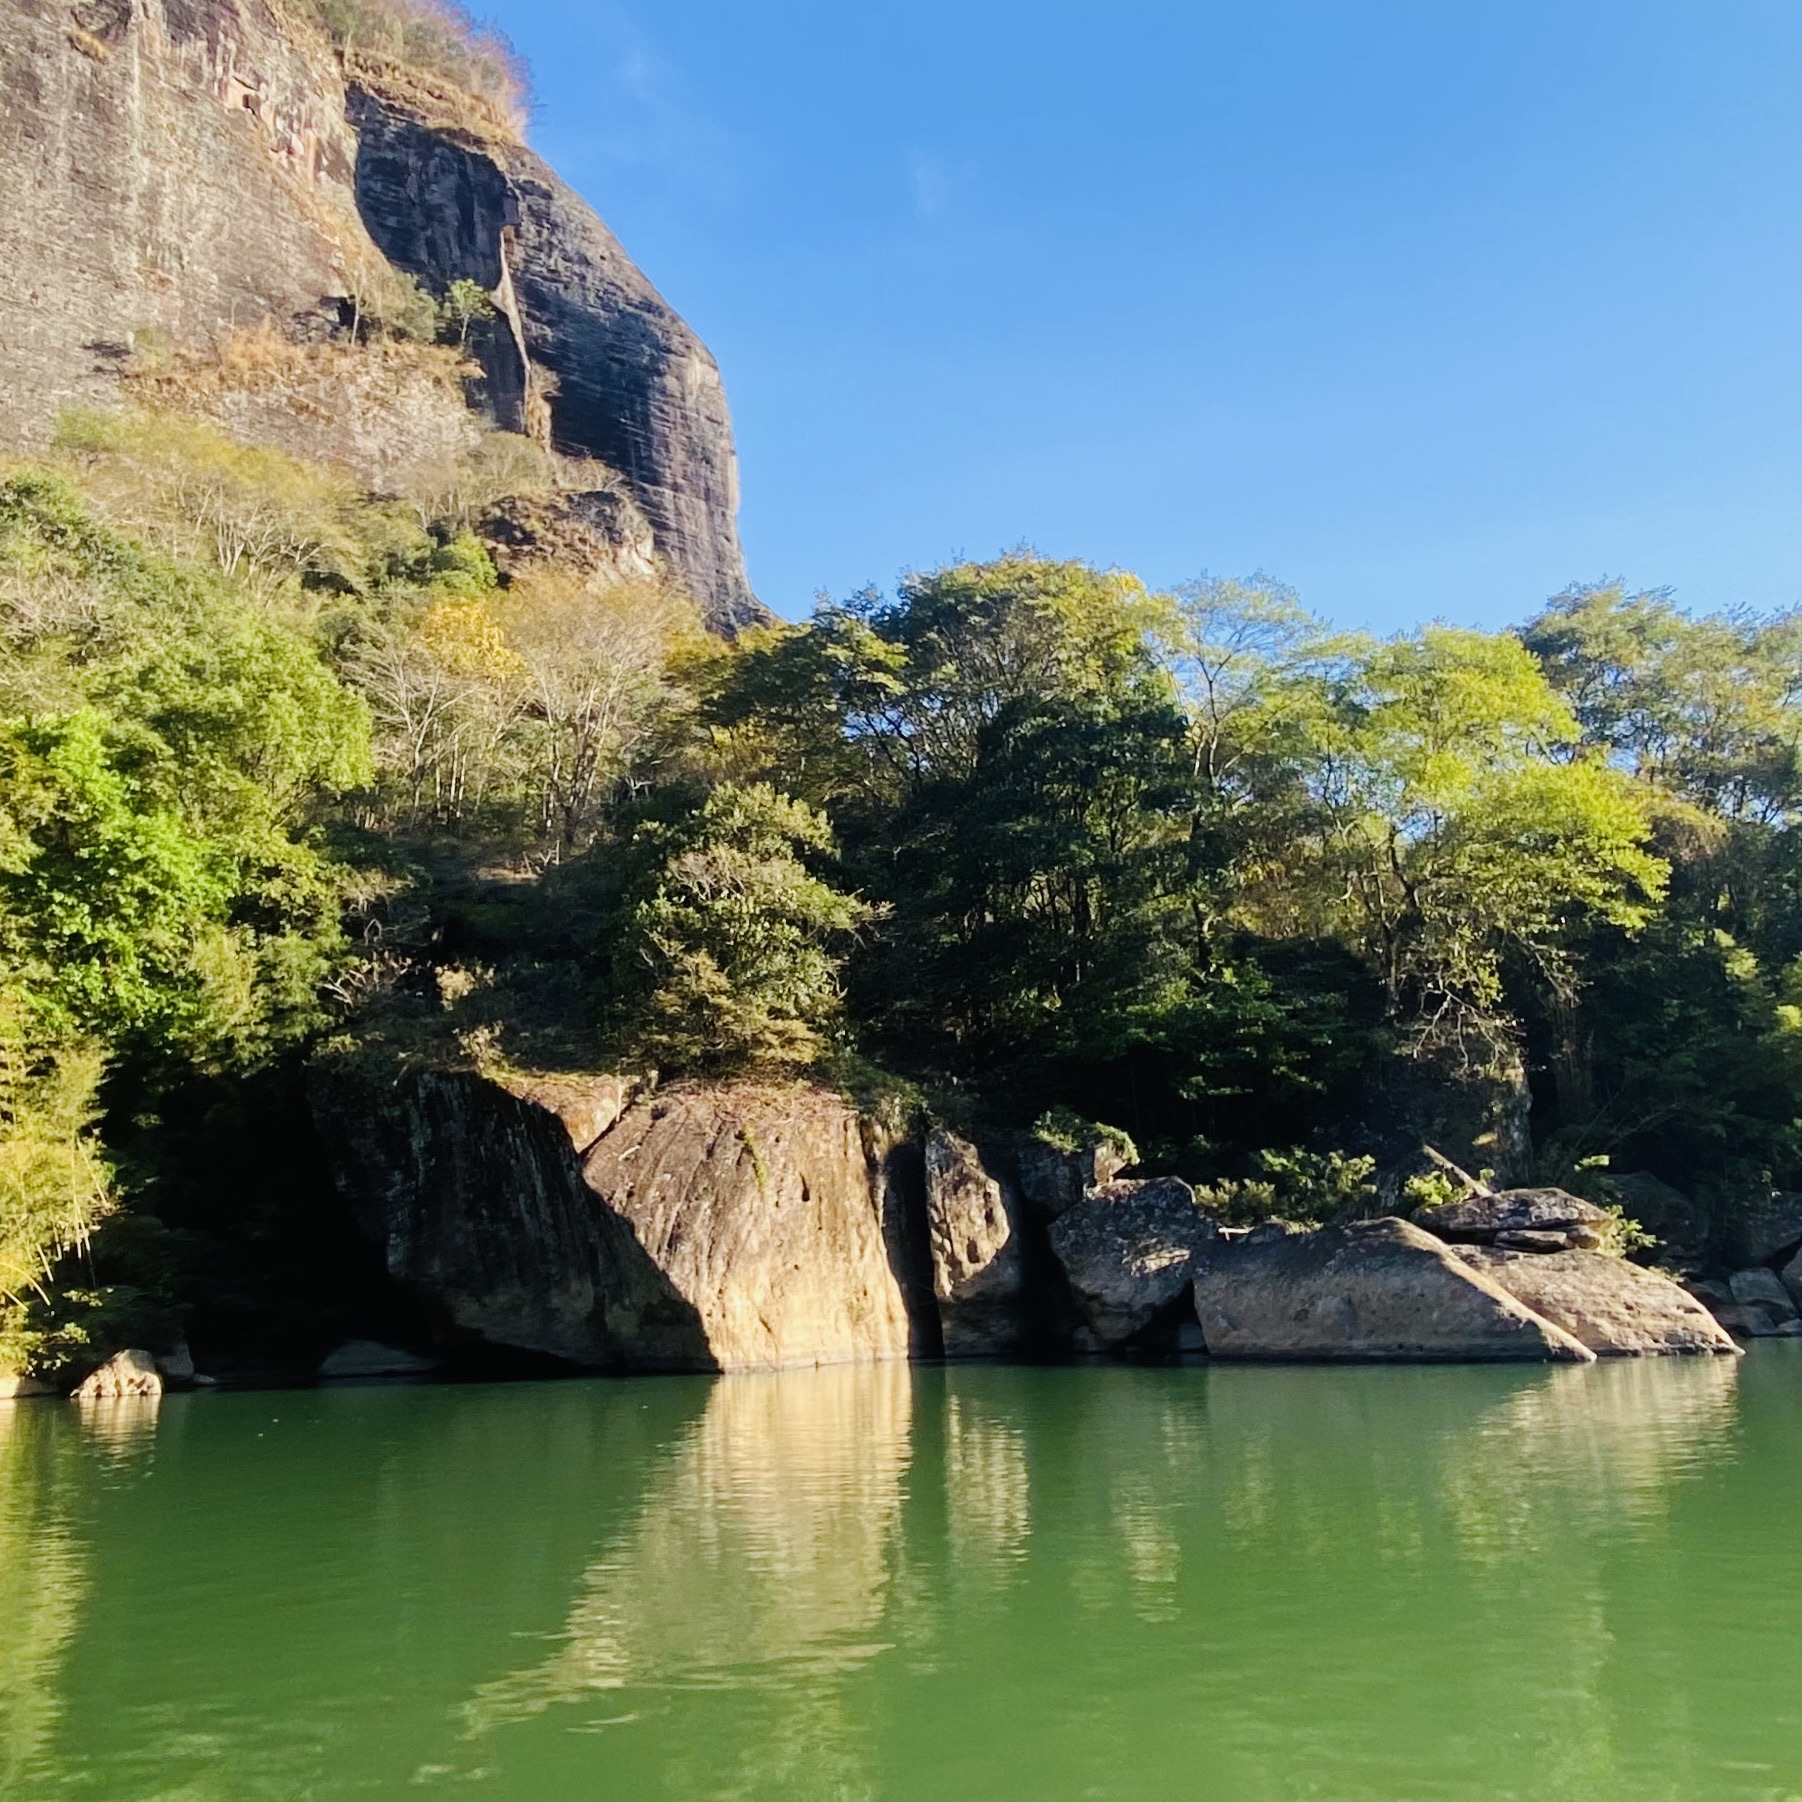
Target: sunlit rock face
1375,1289
727,1227
173,172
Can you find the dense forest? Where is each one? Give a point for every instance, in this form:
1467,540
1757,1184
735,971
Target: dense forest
290,771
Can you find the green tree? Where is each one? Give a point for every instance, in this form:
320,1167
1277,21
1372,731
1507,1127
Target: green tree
725,952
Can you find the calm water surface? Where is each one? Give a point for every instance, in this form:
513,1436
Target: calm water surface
1255,1584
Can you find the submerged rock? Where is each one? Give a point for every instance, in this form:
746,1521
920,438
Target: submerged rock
1617,1309
130,1373
978,1259
1373,1290
365,1358
1128,1249
1478,1219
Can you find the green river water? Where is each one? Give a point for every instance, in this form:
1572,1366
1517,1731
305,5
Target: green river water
1232,1583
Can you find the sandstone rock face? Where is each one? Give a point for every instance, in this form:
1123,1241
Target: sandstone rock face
635,388
1615,1308
730,1228
1670,1216
1371,1290
131,1373
1479,1218
175,170
15,1388
1128,1249
978,1259
173,165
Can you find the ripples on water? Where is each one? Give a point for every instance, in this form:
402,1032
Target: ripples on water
1258,1584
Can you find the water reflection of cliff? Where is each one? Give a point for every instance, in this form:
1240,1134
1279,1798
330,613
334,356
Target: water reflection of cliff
758,1561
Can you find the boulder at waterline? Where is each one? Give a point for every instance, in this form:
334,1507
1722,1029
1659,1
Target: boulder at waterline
16,1388
1792,1278
1617,1309
978,1258
1762,1288
1477,1219
1371,1290
130,1373
1128,1249
365,1358
1747,1321
1763,1227
737,1226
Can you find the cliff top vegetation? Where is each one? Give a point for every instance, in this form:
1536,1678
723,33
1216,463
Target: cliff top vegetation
437,44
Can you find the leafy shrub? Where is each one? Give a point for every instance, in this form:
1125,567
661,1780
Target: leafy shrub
1305,1186
728,947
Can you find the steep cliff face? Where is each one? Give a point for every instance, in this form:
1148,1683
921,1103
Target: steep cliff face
706,1228
175,169
634,387
176,165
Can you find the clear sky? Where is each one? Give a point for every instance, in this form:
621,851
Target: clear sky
1428,307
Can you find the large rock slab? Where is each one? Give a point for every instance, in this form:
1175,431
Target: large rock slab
1617,1309
1477,1219
1128,1249
978,1256
1373,1290
731,1227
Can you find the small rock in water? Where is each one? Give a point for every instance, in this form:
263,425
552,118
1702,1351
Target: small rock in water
365,1358
13,1387
131,1373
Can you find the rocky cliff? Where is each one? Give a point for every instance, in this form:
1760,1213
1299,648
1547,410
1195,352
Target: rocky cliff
739,1227
172,170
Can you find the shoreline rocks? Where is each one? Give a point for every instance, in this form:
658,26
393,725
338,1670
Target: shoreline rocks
973,1225
1615,1308
129,1374
1374,1290
1128,1250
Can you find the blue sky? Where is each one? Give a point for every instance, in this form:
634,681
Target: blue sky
1426,308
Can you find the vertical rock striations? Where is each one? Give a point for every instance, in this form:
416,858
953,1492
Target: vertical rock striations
172,170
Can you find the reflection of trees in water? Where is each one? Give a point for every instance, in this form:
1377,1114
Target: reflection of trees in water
43,1578
758,1560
